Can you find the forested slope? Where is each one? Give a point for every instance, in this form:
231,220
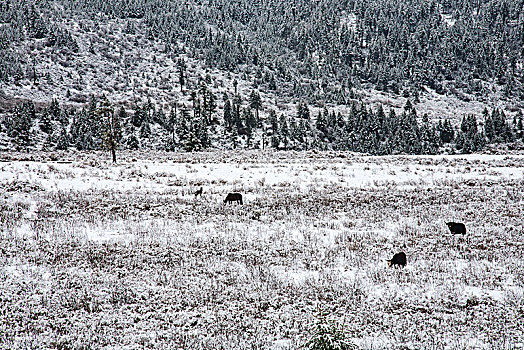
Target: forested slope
449,58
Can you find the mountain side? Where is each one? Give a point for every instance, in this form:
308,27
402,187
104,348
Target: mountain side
448,59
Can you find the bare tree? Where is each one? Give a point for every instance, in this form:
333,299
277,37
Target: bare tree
110,126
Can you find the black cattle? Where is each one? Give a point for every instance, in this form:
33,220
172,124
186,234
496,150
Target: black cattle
198,192
233,197
456,228
398,259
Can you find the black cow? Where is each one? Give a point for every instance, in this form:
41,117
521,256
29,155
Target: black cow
233,197
398,259
198,192
456,228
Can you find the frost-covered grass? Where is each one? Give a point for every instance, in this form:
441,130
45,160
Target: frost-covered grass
97,255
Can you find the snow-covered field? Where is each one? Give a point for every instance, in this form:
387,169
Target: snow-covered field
97,255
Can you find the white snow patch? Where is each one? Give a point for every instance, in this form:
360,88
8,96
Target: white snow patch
448,19
296,276
349,20
497,295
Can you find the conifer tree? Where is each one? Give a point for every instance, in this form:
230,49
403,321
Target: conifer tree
191,131
235,136
273,121
183,129
236,115
170,128
228,114
62,142
209,106
428,135
446,132
54,110
139,116
19,125
303,111
284,133
45,123
321,122
181,73
132,141
255,103
82,131
302,135
519,127
251,121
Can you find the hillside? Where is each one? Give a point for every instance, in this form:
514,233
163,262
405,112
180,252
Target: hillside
449,59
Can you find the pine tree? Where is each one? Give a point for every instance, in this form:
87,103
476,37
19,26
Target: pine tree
228,114
303,111
273,121
303,127
488,125
446,132
429,139
503,129
272,84
283,129
19,125
235,85
45,123
410,132
294,134
183,129
321,122
139,116
170,128
251,121
235,136
201,133
181,73
62,142
380,123
237,120
255,102
132,141
210,106
82,131
121,119
469,140
54,110
191,131
519,127
145,131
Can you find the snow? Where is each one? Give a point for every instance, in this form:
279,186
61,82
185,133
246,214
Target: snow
364,172
480,293
151,73
128,248
448,19
349,20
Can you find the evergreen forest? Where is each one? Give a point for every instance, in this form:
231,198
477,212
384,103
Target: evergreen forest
294,75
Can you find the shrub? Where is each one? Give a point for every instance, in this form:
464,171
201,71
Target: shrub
328,335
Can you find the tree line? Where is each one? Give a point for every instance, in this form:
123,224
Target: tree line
245,123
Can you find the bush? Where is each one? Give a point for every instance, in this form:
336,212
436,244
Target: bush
328,335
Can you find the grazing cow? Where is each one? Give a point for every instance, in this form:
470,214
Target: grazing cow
198,192
233,197
456,228
398,259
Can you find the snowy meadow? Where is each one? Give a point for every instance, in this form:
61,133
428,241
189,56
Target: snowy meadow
102,255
